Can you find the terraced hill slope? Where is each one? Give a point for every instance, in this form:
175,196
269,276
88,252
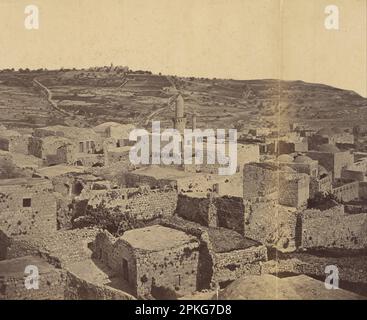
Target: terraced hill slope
83,97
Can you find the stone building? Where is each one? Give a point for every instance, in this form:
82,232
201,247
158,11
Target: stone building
213,211
293,189
71,145
286,147
260,179
27,206
332,159
269,180
152,257
330,136
116,132
299,163
356,171
271,224
13,141
346,190
322,183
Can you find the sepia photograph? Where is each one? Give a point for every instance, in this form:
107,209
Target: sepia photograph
202,151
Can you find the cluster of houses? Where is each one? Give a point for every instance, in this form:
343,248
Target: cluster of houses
169,232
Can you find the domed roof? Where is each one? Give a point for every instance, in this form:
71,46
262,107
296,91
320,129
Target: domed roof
322,170
285,158
259,287
288,169
303,159
180,107
330,148
325,132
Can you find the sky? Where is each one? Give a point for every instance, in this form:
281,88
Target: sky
237,39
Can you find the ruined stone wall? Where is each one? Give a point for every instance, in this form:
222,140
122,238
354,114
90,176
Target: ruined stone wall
114,156
212,211
154,203
230,213
89,160
259,181
135,180
126,205
60,248
238,263
352,269
27,207
196,209
271,224
80,289
347,192
333,229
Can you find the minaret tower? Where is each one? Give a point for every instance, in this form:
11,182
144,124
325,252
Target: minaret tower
179,122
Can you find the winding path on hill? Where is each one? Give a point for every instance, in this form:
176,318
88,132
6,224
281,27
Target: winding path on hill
48,94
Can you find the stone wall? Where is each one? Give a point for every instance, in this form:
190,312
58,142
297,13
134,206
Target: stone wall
174,268
238,263
27,206
125,206
347,191
323,185
352,269
271,224
259,179
12,280
212,211
80,289
61,248
230,212
197,209
293,189
134,180
333,228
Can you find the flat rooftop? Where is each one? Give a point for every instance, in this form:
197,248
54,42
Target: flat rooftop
166,172
15,267
58,170
156,238
22,181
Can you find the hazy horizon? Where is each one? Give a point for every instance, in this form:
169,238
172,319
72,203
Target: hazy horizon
237,39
